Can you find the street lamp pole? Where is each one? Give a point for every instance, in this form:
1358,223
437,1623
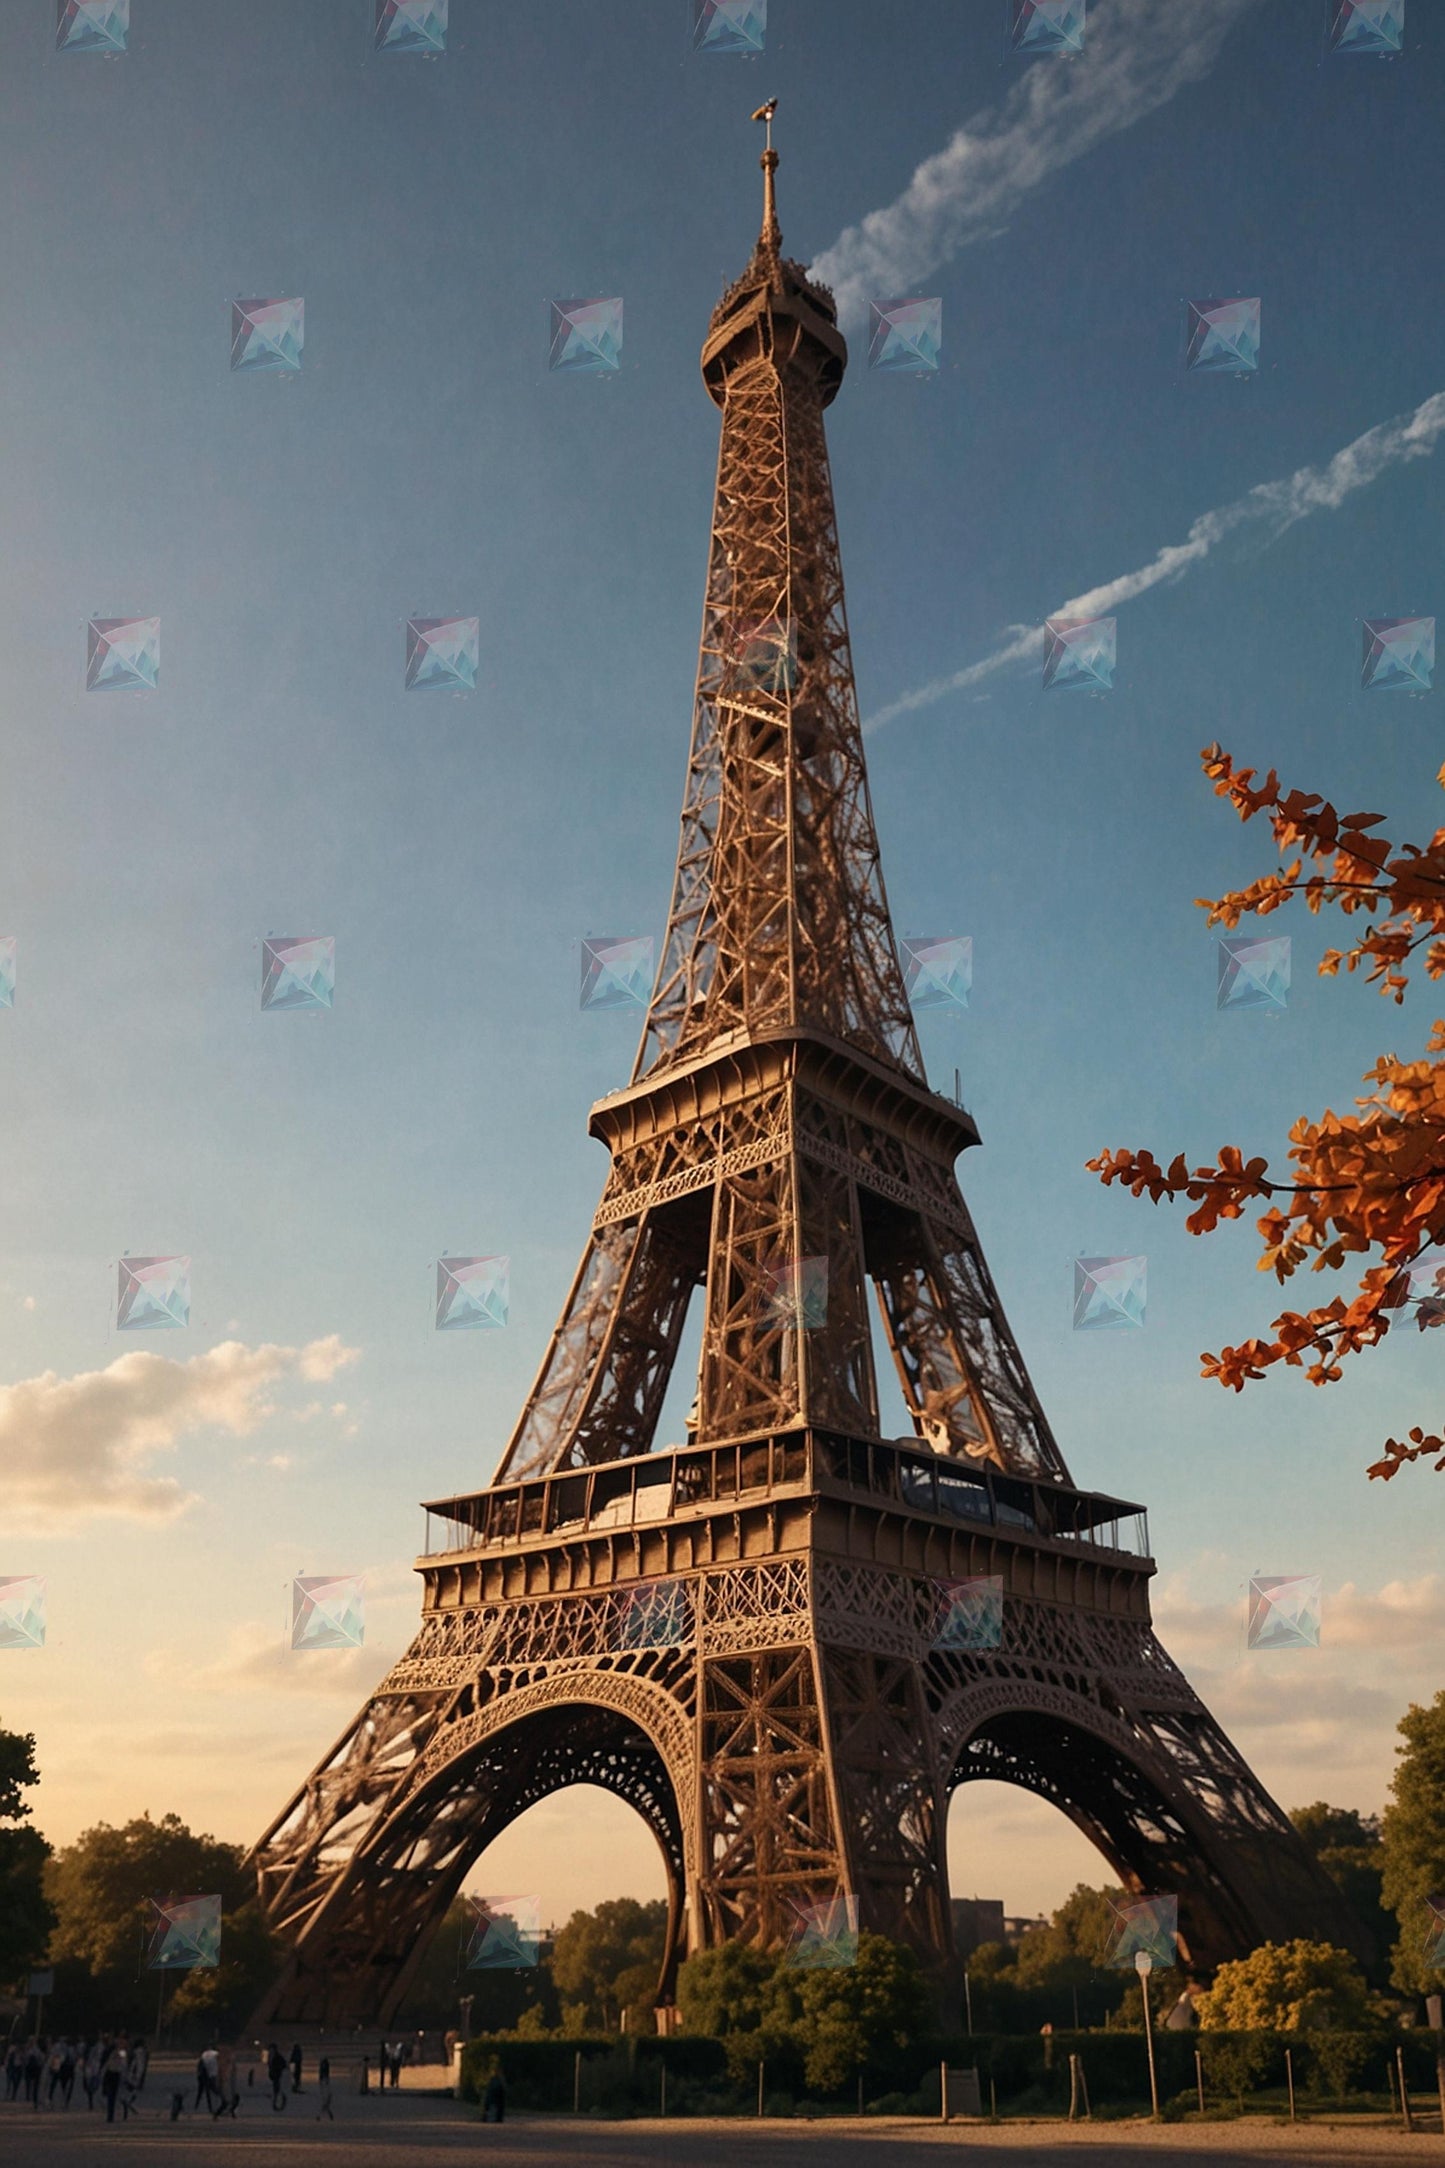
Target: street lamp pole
1144,1965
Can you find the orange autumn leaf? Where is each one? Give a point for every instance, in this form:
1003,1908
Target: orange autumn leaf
1362,1183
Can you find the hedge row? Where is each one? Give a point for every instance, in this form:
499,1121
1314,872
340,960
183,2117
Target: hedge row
623,2076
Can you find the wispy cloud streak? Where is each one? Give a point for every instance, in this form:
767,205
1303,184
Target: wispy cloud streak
1139,54
1274,506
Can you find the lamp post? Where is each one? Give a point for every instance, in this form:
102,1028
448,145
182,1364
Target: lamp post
1144,1965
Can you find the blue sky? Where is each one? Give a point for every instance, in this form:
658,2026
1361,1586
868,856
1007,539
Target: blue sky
425,462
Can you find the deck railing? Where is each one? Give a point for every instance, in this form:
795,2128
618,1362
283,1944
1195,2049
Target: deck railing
656,1486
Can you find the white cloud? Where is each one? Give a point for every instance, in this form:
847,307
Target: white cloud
27,1302
1276,506
1138,55
75,1448
259,1661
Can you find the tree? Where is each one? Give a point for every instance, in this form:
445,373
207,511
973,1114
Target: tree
1413,1830
608,1960
725,1994
101,1888
1070,1951
839,2018
1367,1182
26,1918
103,1884
1348,1846
827,2022
1287,1987
500,1999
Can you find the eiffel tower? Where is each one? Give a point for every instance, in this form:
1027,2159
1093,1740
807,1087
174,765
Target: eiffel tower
740,1634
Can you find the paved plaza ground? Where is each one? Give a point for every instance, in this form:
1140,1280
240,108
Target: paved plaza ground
404,2129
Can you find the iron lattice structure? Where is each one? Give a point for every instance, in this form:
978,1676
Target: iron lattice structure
740,1635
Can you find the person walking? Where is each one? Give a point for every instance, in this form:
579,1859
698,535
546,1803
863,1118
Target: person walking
14,2069
395,2064
276,2072
111,2071
54,2070
208,2069
132,2080
34,2065
295,2066
228,2084
90,2068
323,2080
364,2082
494,2099
73,2053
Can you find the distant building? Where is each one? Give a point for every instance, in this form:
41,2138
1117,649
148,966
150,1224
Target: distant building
1015,1928
976,1920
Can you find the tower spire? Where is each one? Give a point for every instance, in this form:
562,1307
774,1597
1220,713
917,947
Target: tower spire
770,240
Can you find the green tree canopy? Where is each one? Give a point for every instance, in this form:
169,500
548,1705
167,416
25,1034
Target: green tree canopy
26,1918
102,1885
836,2018
724,1991
608,1960
500,1999
101,1888
826,2022
1413,1829
1073,1948
1287,1987
1348,1845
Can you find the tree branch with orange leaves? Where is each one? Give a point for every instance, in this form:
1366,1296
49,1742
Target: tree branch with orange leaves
1366,1182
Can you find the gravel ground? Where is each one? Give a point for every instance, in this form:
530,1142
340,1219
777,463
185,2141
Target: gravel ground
400,2131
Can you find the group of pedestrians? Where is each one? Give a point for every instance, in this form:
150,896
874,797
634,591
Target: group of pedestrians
111,2068
109,2064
